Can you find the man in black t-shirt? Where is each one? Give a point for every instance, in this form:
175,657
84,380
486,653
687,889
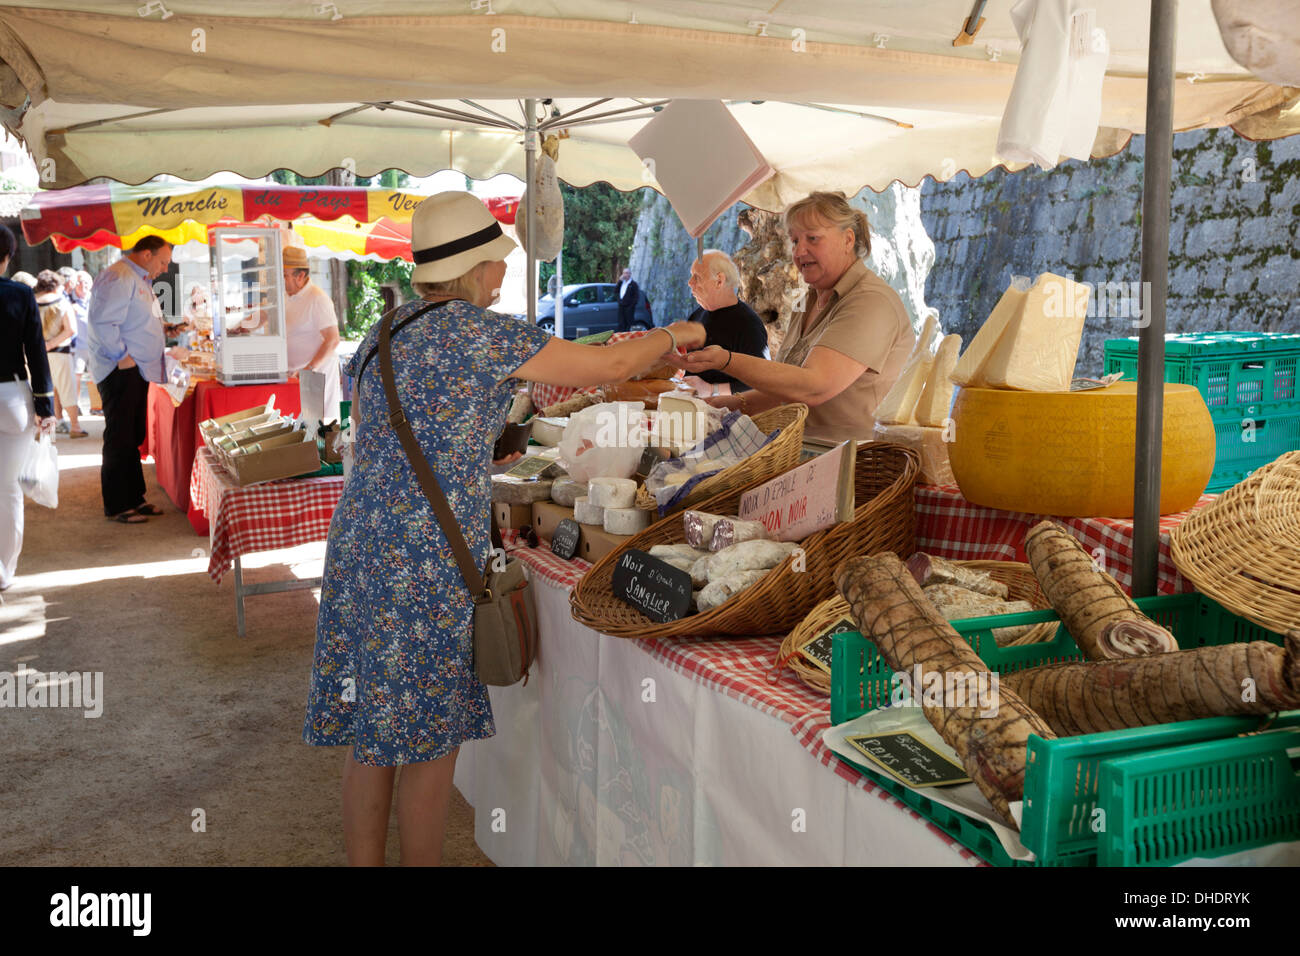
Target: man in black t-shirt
730,323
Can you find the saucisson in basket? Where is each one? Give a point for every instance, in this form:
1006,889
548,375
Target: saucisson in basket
1085,698
1101,618
910,633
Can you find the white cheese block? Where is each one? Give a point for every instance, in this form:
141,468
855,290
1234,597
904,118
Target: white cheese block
681,423
970,367
626,520
936,398
1038,351
584,512
612,492
565,491
548,431
926,442
900,401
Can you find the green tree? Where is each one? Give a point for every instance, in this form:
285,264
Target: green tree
599,223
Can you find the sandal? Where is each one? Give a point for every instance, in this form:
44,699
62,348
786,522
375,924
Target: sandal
78,434
152,511
129,517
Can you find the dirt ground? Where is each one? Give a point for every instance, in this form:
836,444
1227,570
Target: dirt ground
194,717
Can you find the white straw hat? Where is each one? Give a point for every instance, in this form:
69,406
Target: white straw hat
451,233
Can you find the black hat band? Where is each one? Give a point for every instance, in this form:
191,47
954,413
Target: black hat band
457,246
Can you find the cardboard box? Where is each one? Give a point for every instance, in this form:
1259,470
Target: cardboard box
594,542
546,515
511,517
329,443
294,457
213,426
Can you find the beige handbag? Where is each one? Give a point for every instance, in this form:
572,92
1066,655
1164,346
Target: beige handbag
505,618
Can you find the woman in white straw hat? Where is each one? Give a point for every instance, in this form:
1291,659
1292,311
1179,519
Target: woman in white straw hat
393,676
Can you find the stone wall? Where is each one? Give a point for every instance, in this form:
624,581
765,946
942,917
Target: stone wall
662,253
1234,255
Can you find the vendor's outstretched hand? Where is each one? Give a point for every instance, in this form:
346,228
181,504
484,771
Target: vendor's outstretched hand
512,457
704,360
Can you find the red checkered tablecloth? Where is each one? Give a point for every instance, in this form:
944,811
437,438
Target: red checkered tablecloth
741,668
277,514
546,395
950,526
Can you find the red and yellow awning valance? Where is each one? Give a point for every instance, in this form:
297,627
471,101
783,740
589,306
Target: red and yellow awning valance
356,220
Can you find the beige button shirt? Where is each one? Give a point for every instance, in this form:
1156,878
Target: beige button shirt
867,321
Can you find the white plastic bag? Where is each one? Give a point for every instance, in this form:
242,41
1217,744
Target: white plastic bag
39,476
604,441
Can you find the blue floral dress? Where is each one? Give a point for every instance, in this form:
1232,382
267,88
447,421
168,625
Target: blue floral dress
393,674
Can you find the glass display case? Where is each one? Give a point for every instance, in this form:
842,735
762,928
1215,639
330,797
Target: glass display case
248,327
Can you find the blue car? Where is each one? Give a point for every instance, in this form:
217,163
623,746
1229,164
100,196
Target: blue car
591,307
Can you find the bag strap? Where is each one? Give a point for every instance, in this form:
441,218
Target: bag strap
428,481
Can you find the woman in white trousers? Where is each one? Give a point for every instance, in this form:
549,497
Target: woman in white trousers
26,402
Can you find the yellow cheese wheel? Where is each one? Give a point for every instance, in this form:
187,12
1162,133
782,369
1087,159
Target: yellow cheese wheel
1072,453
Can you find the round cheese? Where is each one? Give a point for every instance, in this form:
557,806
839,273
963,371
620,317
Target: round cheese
548,431
626,520
612,492
565,491
1072,453
584,512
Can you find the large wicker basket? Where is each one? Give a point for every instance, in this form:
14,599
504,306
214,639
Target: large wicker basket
775,458
884,520
1021,586
1243,548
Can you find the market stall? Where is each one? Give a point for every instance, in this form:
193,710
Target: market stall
172,436
935,107
242,520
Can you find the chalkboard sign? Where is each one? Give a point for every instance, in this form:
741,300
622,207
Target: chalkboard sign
564,540
817,648
535,466
659,591
908,760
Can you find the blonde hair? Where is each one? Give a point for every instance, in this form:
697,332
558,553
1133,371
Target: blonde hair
833,208
466,286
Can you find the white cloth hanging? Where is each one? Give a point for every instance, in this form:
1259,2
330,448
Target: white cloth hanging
1055,102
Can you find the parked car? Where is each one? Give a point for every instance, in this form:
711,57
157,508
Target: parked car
591,307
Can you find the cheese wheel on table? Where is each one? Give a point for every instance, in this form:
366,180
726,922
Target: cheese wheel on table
612,492
584,512
1072,453
626,520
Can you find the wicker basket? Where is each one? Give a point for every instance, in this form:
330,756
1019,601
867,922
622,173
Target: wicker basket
1021,586
1243,549
884,520
775,458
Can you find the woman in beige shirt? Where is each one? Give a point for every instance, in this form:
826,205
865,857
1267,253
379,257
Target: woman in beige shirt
845,349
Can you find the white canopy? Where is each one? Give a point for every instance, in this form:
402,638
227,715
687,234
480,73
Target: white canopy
835,93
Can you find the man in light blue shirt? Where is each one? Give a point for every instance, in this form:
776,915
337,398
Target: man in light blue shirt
126,354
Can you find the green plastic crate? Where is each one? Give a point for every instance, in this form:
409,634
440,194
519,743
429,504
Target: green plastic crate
1200,800
1061,796
1230,369
1249,381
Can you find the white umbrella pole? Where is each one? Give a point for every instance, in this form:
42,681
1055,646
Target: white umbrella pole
530,164
1156,174
559,294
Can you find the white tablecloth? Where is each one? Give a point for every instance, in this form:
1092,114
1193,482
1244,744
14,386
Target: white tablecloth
610,757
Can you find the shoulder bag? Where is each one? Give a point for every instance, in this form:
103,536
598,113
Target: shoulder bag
505,618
